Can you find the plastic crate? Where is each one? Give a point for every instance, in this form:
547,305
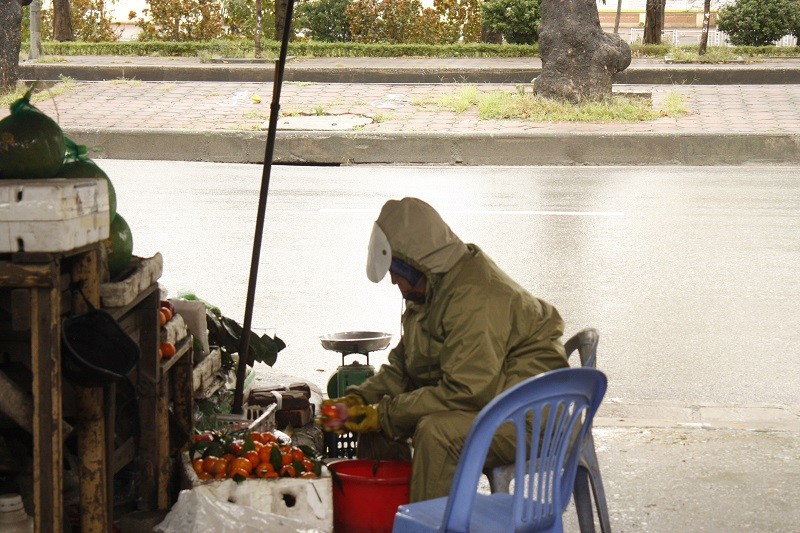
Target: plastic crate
253,418
341,445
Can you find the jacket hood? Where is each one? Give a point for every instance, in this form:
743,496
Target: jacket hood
415,233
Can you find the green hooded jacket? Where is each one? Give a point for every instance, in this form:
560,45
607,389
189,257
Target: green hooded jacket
478,333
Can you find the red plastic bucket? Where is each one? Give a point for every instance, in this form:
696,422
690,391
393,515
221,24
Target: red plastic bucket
366,494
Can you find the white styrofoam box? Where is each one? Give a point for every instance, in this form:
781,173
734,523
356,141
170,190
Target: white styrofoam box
174,331
307,500
120,293
194,313
52,215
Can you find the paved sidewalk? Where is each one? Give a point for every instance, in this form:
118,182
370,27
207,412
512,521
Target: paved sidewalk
403,123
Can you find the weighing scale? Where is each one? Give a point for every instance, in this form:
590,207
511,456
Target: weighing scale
350,343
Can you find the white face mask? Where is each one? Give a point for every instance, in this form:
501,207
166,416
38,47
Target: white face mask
379,255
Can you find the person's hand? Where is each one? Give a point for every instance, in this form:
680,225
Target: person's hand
351,400
362,419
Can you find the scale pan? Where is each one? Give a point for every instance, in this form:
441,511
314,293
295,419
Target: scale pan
355,341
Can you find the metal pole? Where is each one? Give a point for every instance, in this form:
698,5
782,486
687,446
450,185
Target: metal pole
244,342
36,30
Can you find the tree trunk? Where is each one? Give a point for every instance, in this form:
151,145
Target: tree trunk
280,17
653,16
488,36
619,14
10,41
706,23
257,34
62,21
579,60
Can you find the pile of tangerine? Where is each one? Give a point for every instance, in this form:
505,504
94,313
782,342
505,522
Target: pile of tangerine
218,455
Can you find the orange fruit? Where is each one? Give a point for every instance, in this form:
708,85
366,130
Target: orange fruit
167,349
205,476
308,475
240,463
197,465
286,459
253,457
288,471
265,454
220,467
167,313
208,463
264,469
240,472
162,317
236,447
298,454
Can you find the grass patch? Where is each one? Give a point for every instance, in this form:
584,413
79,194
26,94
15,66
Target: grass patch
500,105
51,59
64,85
467,98
381,117
717,54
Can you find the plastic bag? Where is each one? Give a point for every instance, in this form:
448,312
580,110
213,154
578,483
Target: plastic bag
204,509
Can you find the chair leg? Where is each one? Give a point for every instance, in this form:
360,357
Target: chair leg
600,500
583,501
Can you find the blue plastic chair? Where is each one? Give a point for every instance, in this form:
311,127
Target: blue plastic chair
563,403
585,343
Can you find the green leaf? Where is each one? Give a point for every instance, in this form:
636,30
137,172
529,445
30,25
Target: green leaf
276,458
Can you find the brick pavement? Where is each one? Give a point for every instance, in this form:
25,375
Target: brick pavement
399,108
406,110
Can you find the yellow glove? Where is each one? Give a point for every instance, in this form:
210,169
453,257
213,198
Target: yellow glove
351,400
362,419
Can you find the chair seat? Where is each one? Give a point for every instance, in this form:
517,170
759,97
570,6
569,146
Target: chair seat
491,513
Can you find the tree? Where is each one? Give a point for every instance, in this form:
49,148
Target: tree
757,22
579,60
706,23
10,41
516,20
280,17
62,21
653,21
324,20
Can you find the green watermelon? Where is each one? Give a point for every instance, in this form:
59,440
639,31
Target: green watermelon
31,143
86,168
119,246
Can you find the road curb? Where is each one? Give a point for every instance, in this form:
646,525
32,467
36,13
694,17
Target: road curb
351,148
689,74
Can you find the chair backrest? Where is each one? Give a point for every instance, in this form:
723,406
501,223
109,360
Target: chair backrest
585,341
563,403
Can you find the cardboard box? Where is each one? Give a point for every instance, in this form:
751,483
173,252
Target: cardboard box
52,215
296,418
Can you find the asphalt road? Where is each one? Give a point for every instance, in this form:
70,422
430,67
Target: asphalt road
689,273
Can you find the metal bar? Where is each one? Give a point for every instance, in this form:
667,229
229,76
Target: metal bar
244,343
